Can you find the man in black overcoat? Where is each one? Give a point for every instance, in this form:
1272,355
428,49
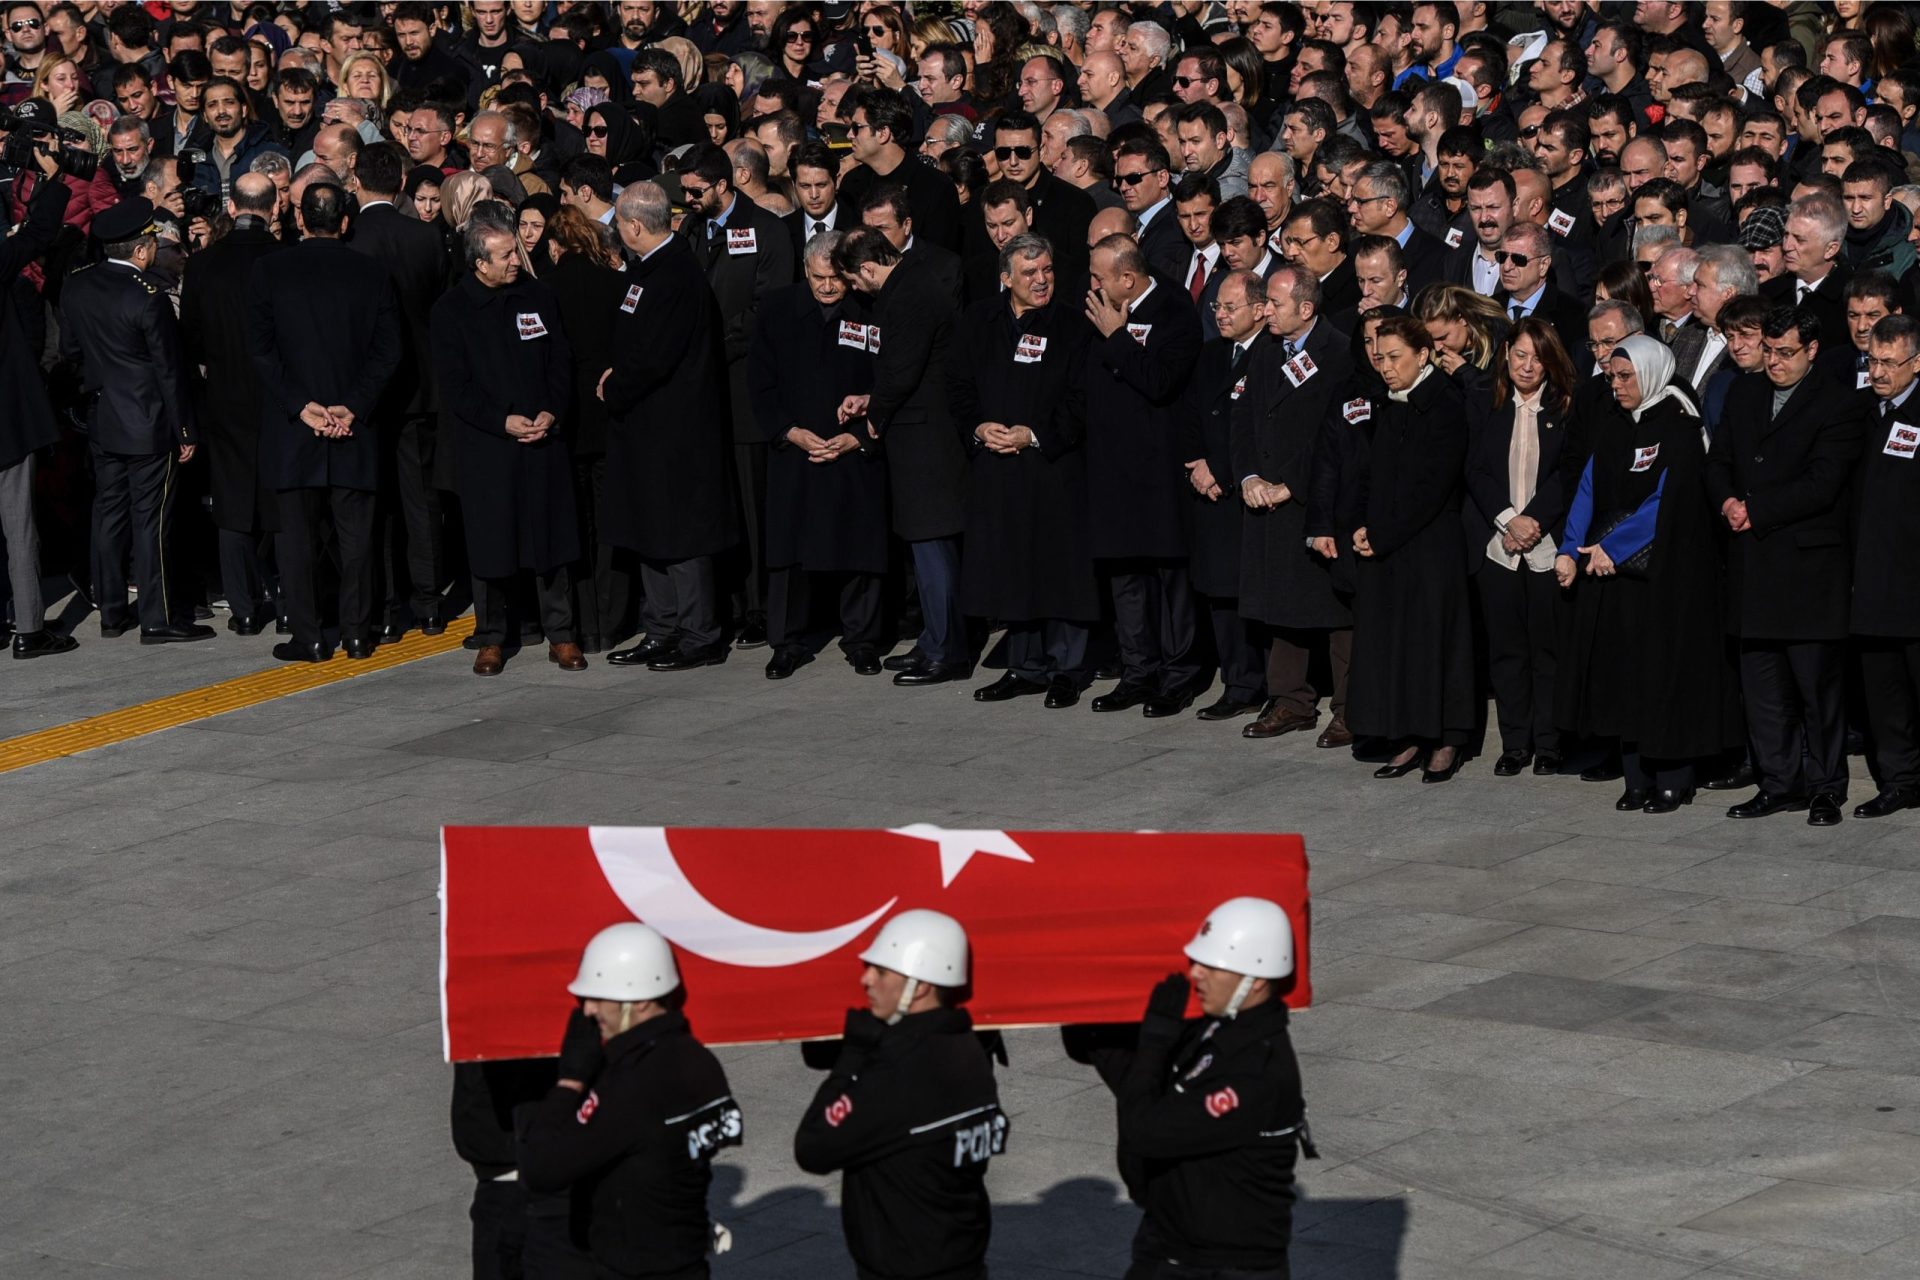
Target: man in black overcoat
1137,369
1777,471
119,326
1219,384
324,331
501,351
746,253
213,324
826,479
909,412
1019,385
669,441
411,523
1886,578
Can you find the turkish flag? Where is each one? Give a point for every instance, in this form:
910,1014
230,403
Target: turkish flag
1066,926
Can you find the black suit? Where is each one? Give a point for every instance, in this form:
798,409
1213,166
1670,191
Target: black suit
1827,302
1165,247
412,538
1568,320
1206,430
1787,574
837,219
930,194
1424,253
213,314
118,324
324,328
1340,289
1886,592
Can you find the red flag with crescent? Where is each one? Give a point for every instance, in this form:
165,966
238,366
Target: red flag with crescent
767,924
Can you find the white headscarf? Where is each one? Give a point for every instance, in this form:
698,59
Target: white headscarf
1653,365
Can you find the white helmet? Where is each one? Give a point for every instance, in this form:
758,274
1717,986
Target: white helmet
1248,936
626,962
924,945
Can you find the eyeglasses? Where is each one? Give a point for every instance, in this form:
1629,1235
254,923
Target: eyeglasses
1013,153
694,193
1353,200
799,37
1646,268
592,131
1783,353
1597,345
1133,179
424,131
1517,259
24,24
878,33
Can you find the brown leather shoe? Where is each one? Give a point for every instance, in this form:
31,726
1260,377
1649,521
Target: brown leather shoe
567,656
1277,720
490,661
1336,735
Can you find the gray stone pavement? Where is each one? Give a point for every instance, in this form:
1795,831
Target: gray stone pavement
1551,1040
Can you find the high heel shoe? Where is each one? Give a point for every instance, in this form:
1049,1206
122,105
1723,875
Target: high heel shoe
1442,775
1402,769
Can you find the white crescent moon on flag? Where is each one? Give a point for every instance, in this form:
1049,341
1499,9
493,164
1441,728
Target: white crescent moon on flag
640,867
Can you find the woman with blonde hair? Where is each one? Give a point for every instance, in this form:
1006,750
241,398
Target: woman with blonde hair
58,80
1467,328
363,75
926,33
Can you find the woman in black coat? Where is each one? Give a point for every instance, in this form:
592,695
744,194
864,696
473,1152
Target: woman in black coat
1646,661
1413,680
1516,501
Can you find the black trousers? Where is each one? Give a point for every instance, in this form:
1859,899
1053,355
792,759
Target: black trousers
1050,649
1158,1269
1522,610
1797,714
680,606
411,525
603,581
243,573
1154,619
790,598
1290,658
493,620
1241,670
746,568
499,1217
1890,679
301,512
133,502
1642,772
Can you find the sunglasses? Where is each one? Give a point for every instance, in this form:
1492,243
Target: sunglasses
878,33
1517,259
1530,131
1134,179
24,24
592,131
1013,153
799,37
694,193
1181,82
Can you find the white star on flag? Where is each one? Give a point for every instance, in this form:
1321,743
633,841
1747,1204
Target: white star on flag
958,847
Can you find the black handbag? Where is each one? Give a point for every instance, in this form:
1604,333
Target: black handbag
1635,565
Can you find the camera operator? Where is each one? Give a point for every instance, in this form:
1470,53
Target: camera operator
27,424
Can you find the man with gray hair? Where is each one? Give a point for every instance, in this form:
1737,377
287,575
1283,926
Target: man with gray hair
1062,127
1671,284
944,133
130,143
669,438
1071,22
1725,271
1525,258
1378,206
1143,56
1814,277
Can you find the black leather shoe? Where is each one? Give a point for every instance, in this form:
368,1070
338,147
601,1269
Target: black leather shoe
179,633
392,633
359,648
1547,763
1511,763
1122,697
1824,810
1633,798
865,662
1766,804
38,644
1229,708
1061,692
1879,807
785,662
1664,800
1160,706
246,626
292,651
689,659
1739,780
434,625
1605,771
640,655
905,661
1110,671
1007,688
753,635
114,630
931,673
283,626
1401,770
1430,774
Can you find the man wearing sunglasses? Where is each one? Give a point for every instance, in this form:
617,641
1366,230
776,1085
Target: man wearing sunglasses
1525,258
1142,175
1060,211
26,47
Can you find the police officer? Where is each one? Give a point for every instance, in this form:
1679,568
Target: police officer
1210,1113
910,1111
637,1114
119,326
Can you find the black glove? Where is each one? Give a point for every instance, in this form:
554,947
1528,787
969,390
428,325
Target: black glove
1169,998
581,1054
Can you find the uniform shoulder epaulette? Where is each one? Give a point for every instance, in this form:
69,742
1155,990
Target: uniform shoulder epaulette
88,267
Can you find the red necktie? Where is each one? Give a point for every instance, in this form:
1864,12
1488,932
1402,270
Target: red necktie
1197,278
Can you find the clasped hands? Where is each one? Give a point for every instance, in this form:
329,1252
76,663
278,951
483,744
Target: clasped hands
1599,565
334,421
1261,494
529,430
1521,535
820,448
1201,477
998,437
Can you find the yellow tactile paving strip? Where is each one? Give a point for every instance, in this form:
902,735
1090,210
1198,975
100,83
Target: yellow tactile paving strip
218,699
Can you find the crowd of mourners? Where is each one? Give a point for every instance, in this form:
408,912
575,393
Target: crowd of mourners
1392,354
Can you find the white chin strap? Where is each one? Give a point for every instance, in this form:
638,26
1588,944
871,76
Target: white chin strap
626,1015
1240,994
907,993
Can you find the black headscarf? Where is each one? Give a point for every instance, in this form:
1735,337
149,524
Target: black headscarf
717,99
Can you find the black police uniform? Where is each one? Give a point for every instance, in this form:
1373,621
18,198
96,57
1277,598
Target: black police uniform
514,1234
1211,1121
638,1147
118,325
911,1114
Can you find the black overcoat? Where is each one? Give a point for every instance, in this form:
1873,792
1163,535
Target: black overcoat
589,294
213,333
925,447
746,258
1886,575
26,415
499,352
1206,433
1135,379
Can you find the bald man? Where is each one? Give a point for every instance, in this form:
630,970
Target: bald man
1103,86
1575,266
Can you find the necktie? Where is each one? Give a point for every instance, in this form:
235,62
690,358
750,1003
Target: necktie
1800,288
1286,347
1519,312
1237,364
1886,409
712,228
1667,330
1197,278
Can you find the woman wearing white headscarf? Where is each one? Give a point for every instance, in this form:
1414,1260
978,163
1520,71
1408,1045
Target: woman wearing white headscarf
1647,663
